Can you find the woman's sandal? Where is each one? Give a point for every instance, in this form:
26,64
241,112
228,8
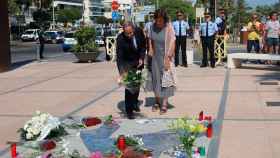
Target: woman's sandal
163,110
155,107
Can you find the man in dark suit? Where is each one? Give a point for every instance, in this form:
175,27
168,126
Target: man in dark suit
131,48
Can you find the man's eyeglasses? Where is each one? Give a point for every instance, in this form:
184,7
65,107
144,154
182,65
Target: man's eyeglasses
179,15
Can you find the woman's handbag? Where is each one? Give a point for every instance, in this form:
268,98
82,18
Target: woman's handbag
167,79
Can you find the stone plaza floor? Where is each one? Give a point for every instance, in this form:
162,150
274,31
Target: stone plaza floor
238,99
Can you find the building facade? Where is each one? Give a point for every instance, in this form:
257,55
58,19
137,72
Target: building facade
91,8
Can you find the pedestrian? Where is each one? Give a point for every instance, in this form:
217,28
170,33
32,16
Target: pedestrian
131,51
254,29
196,36
221,23
42,44
273,30
181,28
106,33
162,51
208,30
147,31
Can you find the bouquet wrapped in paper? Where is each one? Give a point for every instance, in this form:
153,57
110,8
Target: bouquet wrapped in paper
41,126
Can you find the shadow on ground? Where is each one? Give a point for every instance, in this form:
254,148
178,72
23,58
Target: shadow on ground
122,113
17,65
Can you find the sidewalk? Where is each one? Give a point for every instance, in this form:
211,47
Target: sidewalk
246,126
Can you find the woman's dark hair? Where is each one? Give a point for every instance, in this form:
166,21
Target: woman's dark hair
161,13
272,13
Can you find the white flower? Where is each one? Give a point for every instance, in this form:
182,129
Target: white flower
35,131
38,112
29,136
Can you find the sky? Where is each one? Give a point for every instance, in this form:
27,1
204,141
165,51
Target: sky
260,2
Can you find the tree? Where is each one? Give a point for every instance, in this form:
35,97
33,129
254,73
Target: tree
277,7
13,7
264,10
176,5
241,14
69,15
102,20
42,18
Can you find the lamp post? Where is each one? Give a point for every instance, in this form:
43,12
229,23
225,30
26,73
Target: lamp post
5,54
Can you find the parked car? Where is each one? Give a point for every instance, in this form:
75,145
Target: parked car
99,40
69,41
30,35
54,37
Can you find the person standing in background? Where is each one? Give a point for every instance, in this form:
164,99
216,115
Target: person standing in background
42,44
208,31
181,28
221,22
273,30
254,34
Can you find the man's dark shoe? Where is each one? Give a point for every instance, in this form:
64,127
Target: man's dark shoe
136,108
185,65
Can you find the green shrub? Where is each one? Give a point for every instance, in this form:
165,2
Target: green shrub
86,40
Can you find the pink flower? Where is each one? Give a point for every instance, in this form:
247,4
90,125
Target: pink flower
96,154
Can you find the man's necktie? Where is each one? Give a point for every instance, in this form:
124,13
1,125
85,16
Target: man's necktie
180,28
207,29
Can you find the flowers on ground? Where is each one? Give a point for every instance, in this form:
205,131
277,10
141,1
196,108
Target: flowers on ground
41,126
188,131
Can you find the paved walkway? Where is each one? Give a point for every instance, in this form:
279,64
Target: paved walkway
246,126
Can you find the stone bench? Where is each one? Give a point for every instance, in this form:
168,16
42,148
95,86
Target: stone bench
235,59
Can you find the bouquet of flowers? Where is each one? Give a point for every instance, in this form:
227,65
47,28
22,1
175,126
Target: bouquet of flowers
188,131
132,80
41,126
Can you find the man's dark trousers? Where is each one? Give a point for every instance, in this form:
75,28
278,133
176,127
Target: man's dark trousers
42,47
131,100
253,43
208,45
181,42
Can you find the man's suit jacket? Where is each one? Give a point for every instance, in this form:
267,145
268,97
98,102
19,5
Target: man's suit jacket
127,54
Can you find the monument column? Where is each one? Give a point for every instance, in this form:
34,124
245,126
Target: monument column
5,54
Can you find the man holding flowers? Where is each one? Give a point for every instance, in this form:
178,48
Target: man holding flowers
131,49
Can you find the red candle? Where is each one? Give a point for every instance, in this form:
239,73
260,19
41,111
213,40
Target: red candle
200,118
14,150
209,118
209,131
121,143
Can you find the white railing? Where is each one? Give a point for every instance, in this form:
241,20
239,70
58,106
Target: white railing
111,45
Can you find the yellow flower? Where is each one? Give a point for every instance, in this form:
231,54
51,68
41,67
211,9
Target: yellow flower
200,128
